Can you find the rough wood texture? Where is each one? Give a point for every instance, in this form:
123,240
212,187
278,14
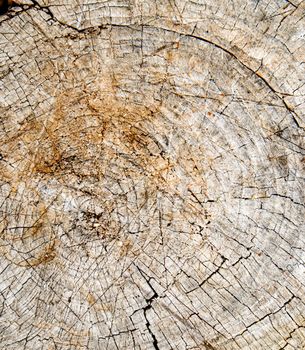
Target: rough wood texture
152,175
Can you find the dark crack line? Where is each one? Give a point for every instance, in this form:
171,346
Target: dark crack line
148,325
210,275
266,316
149,307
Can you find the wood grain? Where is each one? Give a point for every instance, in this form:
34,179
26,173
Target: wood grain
152,175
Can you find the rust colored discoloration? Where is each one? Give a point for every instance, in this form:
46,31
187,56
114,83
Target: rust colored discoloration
126,247
97,148
46,255
90,298
26,235
94,131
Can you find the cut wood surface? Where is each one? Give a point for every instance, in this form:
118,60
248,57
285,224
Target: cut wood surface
152,175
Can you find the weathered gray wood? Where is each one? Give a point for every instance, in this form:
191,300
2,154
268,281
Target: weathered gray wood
152,175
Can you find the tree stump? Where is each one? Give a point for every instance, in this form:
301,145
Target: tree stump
152,175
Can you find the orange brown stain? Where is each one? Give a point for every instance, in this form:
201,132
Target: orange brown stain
83,126
126,247
44,257
91,299
85,134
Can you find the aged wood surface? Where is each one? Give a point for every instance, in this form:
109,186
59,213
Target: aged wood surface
152,175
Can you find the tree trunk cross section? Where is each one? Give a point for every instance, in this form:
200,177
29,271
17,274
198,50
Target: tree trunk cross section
152,175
